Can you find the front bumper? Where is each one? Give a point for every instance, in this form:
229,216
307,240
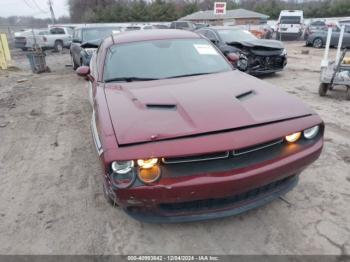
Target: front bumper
234,205
266,65
199,195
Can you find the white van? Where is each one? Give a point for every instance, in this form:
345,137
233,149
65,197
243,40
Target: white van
290,23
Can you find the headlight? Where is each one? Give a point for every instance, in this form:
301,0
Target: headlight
149,175
242,63
122,167
284,52
147,163
311,132
123,174
149,171
293,137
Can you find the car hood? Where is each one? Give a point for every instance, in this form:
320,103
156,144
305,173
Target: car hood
181,107
262,43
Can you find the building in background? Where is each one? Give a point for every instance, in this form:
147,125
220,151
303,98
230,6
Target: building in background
232,17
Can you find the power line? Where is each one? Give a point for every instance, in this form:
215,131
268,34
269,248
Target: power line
36,4
25,1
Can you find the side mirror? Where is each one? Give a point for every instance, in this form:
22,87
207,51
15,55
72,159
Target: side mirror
214,41
83,71
232,57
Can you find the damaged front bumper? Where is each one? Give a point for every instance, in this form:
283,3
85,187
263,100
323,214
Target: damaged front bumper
259,65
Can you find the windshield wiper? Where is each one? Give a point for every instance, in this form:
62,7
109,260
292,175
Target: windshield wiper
129,79
196,74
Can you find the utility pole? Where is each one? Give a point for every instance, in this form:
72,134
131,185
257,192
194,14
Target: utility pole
52,13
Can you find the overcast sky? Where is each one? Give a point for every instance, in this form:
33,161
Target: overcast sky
36,8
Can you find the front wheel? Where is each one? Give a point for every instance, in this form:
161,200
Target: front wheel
108,196
323,88
348,94
317,43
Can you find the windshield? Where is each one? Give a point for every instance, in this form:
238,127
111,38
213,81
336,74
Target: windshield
163,59
90,34
290,20
230,36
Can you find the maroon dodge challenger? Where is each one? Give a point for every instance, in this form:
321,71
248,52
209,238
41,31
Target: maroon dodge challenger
183,136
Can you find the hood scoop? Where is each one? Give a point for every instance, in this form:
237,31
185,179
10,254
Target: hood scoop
161,106
245,95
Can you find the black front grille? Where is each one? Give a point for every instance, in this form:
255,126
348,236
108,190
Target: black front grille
196,158
222,203
220,155
250,149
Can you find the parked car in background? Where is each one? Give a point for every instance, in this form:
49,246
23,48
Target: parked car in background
26,39
85,42
290,24
185,25
53,38
200,25
144,27
58,38
257,56
262,31
160,26
318,39
183,136
314,27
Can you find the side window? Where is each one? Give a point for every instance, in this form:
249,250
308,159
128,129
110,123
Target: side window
77,35
57,31
183,25
60,31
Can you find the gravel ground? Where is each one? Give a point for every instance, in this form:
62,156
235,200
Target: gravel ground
51,199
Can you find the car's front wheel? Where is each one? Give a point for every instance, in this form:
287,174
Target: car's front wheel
323,88
108,196
317,43
348,94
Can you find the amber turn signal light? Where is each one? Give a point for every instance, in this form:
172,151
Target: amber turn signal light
293,137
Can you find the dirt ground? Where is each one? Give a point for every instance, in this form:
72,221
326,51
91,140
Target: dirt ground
51,199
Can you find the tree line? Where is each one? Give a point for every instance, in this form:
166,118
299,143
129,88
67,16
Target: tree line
85,11
169,10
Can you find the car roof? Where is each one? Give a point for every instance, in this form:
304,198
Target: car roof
154,34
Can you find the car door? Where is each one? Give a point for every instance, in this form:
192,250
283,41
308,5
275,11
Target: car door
335,36
346,39
60,34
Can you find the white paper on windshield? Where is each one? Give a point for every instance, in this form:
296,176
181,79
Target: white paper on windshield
205,49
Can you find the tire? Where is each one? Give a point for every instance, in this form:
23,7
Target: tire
348,94
323,88
108,197
58,46
317,43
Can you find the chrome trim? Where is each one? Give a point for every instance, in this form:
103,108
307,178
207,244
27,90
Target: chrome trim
196,159
95,136
257,148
